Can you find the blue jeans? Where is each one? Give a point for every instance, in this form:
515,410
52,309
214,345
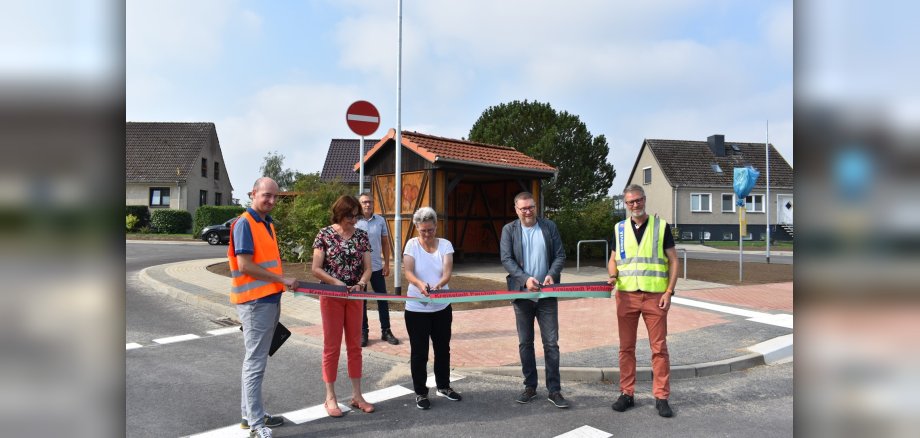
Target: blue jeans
379,284
546,312
259,321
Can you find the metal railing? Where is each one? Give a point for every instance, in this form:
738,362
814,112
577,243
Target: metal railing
578,252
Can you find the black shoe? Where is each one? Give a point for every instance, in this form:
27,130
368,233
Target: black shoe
663,409
556,399
449,393
422,402
526,396
624,402
388,336
269,422
363,339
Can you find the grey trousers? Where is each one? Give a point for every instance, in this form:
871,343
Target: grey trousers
259,321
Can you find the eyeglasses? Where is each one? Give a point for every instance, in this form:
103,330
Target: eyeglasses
426,231
636,201
352,216
530,208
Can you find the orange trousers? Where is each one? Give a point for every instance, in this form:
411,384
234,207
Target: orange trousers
340,314
629,306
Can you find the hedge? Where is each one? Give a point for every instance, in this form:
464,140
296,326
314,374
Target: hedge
214,214
141,212
171,221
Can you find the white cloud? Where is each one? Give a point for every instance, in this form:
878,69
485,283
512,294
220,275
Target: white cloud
294,119
778,30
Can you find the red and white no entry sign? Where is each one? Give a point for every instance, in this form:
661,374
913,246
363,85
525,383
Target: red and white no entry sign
363,118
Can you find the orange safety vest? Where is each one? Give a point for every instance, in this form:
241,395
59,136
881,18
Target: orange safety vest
265,254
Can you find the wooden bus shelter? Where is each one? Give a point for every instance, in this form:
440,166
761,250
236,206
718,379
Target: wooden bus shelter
470,185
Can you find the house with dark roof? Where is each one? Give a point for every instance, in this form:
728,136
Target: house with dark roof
175,165
340,160
690,184
470,185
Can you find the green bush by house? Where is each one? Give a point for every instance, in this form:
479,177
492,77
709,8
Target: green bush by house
214,214
141,212
171,221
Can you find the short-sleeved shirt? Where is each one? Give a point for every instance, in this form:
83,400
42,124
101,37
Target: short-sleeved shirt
376,228
343,258
242,244
429,267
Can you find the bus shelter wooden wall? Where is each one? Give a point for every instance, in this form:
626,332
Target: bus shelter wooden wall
471,210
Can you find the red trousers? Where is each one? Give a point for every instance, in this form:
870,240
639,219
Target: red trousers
340,314
629,306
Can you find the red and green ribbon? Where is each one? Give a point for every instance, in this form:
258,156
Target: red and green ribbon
564,290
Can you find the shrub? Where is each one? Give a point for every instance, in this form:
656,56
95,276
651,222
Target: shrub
130,222
590,221
171,221
141,212
214,214
298,220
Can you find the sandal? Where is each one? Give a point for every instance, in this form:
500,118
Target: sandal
365,407
334,411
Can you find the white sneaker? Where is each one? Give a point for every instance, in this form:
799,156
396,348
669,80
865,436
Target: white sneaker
262,432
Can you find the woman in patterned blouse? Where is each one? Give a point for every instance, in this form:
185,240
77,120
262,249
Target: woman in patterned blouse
341,256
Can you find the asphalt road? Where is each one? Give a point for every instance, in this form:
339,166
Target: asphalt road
192,386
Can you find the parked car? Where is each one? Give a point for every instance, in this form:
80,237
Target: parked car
217,234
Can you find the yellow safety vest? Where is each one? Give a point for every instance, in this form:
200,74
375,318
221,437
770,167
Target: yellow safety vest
265,254
641,265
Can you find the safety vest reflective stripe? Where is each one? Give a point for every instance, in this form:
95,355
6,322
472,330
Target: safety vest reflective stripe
648,260
266,265
249,286
645,273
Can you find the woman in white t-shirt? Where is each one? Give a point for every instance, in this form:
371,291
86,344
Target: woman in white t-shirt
429,262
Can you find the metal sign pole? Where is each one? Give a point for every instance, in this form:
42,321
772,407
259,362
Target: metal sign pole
767,201
397,249
361,174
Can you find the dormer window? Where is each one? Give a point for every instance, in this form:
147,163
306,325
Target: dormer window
716,168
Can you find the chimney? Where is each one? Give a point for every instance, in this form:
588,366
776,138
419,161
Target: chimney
717,144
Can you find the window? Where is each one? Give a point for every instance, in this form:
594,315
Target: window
715,167
217,198
686,235
728,203
700,202
706,235
754,204
727,235
203,197
159,196
216,172
204,167
646,175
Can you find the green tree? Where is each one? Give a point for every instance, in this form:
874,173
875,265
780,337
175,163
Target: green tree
559,139
299,219
273,167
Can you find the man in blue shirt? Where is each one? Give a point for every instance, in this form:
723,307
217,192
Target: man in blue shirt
376,228
531,251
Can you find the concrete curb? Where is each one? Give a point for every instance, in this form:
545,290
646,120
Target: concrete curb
777,350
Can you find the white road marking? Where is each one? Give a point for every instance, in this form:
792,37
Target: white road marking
317,412
225,331
585,432
179,338
432,384
233,431
781,320
132,345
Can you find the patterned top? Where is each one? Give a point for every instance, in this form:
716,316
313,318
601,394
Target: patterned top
343,258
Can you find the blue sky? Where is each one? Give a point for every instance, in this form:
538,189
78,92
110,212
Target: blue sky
278,76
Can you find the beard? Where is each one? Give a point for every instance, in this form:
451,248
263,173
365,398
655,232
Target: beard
637,213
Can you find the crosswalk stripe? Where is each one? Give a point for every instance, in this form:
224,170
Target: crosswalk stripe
317,412
179,338
132,345
225,331
585,432
781,320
